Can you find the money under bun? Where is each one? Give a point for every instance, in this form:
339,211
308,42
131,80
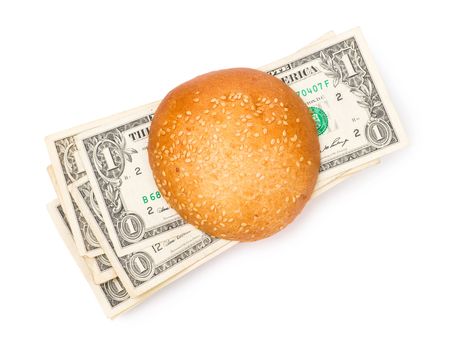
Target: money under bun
235,152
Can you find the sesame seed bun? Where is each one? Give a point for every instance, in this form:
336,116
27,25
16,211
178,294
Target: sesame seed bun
235,152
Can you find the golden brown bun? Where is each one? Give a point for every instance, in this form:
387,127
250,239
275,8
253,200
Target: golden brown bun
235,152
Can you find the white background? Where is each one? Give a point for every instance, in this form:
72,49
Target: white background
378,262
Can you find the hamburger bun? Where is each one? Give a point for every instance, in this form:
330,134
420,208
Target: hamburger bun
235,152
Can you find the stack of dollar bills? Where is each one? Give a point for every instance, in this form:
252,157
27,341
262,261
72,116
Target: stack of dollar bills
125,238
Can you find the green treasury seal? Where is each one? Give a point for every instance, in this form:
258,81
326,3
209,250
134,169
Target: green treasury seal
320,118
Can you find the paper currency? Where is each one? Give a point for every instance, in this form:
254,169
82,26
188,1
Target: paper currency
341,86
126,238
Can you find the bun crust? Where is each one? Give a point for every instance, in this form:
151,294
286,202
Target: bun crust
235,152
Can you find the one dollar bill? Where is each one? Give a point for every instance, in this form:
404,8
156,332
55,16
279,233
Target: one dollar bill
339,82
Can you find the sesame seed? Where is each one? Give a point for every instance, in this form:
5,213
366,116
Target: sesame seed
196,100
188,112
256,134
273,141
